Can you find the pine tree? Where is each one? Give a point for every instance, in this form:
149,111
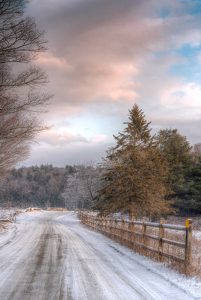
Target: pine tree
177,151
135,180
189,201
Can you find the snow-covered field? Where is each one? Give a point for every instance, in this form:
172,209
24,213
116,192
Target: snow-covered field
50,255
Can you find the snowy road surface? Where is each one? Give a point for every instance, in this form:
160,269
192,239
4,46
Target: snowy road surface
52,256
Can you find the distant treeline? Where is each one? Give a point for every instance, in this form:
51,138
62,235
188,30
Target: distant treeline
79,186
34,186
48,186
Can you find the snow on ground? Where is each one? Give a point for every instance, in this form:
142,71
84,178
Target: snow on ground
9,230
189,285
6,233
197,234
51,255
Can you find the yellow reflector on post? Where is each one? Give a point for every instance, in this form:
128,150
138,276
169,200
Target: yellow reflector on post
187,223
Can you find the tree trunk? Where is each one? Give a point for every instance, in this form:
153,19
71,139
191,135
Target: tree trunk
131,212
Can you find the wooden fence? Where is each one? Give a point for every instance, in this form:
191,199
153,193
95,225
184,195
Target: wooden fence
138,234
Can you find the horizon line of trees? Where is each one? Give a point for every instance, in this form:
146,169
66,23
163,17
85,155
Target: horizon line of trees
47,186
144,174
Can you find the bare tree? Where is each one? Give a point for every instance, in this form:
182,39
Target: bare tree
196,152
82,186
21,99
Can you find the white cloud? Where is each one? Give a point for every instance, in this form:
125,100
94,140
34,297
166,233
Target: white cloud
99,138
190,37
59,139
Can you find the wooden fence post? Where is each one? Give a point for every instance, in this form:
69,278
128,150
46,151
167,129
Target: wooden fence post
95,223
143,232
160,242
115,225
122,229
188,246
102,221
110,229
99,223
132,231
106,224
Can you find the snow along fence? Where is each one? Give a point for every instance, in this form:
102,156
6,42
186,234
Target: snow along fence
165,241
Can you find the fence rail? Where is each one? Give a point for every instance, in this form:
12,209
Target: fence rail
125,231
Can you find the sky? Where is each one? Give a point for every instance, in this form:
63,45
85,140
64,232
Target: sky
106,55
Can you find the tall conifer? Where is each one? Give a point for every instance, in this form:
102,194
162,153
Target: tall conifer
135,180
178,152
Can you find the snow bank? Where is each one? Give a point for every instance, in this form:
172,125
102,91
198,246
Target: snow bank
17,219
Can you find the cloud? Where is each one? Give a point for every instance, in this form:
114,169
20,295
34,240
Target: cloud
67,155
105,55
186,126
99,138
93,58
62,138
99,49
59,139
191,37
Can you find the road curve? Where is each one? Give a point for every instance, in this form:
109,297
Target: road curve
54,257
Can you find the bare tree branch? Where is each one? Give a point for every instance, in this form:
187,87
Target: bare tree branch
21,99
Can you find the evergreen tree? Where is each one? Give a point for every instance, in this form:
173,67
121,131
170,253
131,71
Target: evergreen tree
190,201
135,180
177,151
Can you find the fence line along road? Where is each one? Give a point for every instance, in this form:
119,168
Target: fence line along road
127,233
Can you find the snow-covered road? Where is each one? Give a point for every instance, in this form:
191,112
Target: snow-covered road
52,256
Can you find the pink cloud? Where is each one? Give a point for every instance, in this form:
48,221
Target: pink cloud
54,138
